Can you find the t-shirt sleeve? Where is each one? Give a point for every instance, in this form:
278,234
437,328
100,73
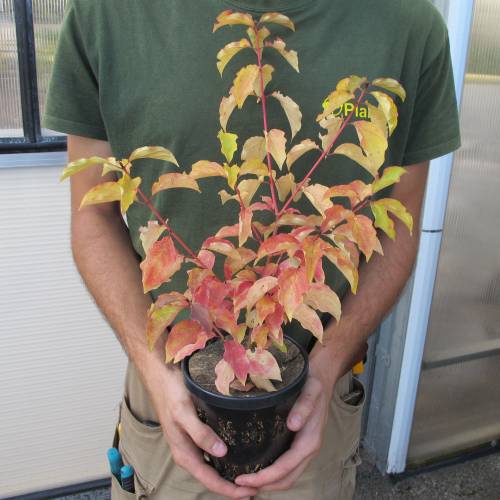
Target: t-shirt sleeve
434,127
72,104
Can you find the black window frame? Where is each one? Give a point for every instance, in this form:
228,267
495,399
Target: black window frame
33,140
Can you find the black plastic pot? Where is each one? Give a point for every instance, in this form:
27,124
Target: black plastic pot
253,428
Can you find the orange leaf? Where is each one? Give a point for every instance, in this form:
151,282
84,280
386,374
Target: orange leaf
161,263
323,298
228,17
184,338
341,259
309,320
278,243
204,168
175,180
360,230
356,191
292,287
243,84
224,376
245,225
150,233
298,150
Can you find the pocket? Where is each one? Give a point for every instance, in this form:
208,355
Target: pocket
339,399
118,493
143,446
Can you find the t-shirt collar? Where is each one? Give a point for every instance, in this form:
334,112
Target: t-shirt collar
267,5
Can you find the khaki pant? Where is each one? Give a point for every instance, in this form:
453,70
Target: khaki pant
330,476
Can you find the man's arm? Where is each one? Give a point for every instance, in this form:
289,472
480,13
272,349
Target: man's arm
380,283
108,264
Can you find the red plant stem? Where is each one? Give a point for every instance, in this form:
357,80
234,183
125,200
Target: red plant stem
157,214
264,116
323,154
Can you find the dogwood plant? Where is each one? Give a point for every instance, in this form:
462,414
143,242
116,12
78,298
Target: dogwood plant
272,272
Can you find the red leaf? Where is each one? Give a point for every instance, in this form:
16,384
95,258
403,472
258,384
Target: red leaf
236,356
218,245
161,263
224,376
237,260
335,215
263,364
185,337
279,243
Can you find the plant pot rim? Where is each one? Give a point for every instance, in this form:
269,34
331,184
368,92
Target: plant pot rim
267,400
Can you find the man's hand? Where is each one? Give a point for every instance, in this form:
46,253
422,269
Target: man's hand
186,434
308,418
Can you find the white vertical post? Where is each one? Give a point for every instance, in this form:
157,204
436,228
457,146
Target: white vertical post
436,197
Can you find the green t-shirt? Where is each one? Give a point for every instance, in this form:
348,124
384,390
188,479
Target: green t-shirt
143,72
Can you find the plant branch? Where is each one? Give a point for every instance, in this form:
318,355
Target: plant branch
264,117
323,154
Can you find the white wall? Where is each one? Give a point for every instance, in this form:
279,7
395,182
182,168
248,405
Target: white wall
61,367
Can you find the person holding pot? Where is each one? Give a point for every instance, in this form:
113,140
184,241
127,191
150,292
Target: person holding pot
130,73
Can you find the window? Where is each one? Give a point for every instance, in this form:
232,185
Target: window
28,37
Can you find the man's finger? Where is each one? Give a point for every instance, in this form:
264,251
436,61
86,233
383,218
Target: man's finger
194,463
203,435
304,405
289,481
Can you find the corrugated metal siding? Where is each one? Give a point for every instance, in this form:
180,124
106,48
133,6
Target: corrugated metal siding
61,367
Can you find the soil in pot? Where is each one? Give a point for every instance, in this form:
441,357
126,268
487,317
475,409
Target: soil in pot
253,423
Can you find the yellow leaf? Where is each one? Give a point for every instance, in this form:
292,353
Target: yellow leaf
277,18
276,144
254,148
102,193
263,33
351,83
292,111
255,167
149,234
332,124
112,166
204,168
228,143
155,152
225,196
247,188
228,17
387,106
267,71
284,185
298,150
231,174
372,140
228,51
79,165
129,189
290,55
171,181
377,117
392,85
356,153
382,220
390,176
227,105
333,101
398,209
243,84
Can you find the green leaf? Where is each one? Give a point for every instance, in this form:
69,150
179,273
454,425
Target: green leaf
397,209
228,143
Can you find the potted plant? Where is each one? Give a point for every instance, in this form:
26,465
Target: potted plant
251,278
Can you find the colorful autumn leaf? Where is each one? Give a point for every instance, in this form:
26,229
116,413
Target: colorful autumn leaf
162,313
351,83
254,148
309,320
154,152
324,299
245,225
228,17
276,144
161,263
395,207
278,243
334,101
290,55
298,150
357,191
247,189
229,51
263,364
129,187
224,375
312,246
184,338
359,229
332,124
285,185
259,289
254,167
175,180
334,216
228,144
315,193
292,111
243,84
235,354
293,285
267,75
204,168
149,234
342,261
388,108
392,85
377,117
232,173
390,176
237,260
226,108
102,193
79,165
263,33
277,18
219,245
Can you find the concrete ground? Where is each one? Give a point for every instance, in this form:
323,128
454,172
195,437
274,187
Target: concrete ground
475,479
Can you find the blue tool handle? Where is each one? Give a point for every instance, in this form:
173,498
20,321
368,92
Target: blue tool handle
115,462
127,478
